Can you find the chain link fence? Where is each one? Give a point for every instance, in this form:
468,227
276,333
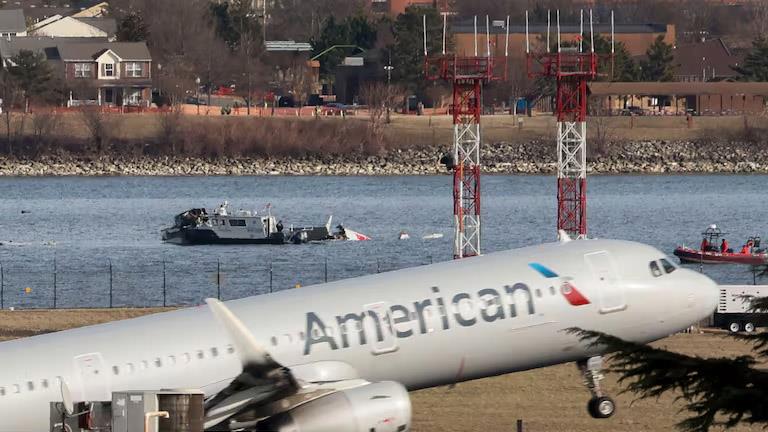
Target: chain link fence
147,282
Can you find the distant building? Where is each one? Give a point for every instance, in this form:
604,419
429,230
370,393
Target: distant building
636,37
12,23
59,26
396,7
678,98
709,60
95,73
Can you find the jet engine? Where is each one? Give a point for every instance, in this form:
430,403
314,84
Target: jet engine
377,407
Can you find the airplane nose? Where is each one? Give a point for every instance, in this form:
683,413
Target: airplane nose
706,293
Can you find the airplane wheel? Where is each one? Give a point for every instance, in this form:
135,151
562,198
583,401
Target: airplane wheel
601,407
749,327
734,327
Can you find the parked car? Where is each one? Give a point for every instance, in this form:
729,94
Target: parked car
632,110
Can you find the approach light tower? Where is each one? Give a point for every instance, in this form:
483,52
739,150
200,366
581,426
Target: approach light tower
572,68
468,75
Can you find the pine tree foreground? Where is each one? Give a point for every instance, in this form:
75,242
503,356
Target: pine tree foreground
716,391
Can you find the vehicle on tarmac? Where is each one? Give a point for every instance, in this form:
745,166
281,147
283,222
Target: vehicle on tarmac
733,308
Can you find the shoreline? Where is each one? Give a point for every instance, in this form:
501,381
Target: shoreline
532,158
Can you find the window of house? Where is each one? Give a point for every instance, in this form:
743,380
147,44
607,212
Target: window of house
133,69
109,70
82,70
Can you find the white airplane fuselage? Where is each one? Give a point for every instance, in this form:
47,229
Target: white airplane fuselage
423,327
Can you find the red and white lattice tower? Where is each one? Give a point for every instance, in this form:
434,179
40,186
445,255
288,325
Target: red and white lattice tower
572,69
468,75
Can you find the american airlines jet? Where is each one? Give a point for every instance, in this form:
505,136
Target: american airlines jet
342,356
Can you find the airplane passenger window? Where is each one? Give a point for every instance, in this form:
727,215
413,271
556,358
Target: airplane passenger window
30,385
115,370
230,349
538,292
214,351
274,341
655,271
301,335
187,358
552,290
171,360
144,364
44,382
158,362
668,266
129,366
16,388
2,391
200,354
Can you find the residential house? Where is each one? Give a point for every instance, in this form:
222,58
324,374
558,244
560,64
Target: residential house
708,60
67,26
12,23
111,73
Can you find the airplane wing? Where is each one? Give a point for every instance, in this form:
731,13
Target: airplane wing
265,387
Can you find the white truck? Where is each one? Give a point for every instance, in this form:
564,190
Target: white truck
733,312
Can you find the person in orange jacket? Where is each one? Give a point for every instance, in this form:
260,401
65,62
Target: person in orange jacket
704,244
724,246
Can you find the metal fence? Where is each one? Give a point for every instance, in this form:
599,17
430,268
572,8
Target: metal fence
152,283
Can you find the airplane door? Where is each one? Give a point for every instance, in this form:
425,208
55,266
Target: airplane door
94,378
611,292
378,328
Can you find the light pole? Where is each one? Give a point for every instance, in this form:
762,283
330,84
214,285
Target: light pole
160,78
197,94
389,68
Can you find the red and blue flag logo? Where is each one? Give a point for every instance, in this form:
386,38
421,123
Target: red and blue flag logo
567,289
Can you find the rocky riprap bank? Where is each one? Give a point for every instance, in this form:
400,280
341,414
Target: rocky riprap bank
536,157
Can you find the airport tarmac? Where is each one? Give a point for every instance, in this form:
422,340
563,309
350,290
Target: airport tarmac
548,399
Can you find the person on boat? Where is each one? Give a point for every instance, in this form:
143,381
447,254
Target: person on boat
745,249
223,209
704,245
724,246
279,226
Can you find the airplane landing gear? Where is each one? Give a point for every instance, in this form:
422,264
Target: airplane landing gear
600,406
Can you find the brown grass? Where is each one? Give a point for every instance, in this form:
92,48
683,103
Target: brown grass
215,136
548,399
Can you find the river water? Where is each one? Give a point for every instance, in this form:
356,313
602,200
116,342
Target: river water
84,235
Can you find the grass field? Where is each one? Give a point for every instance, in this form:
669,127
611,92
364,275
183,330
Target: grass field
408,131
548,399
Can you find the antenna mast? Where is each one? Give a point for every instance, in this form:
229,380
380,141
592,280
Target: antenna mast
467,75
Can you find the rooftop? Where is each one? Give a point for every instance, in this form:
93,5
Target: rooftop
12,20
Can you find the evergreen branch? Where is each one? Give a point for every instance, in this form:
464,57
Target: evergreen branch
717,391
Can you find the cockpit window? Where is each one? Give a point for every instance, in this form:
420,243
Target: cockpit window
668,266
655,270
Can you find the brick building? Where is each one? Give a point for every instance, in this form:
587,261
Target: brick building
636,37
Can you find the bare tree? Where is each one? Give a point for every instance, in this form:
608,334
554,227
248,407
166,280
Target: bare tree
44,126
379,97
11,95
170,127
102,128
